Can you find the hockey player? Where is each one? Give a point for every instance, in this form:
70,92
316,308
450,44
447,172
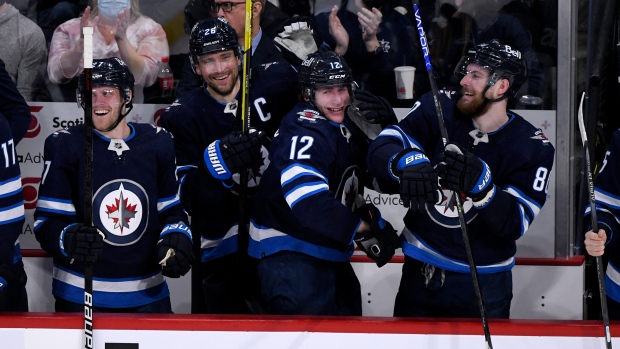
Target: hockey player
607,194
498,161
138,222
303,224
211,151
14,121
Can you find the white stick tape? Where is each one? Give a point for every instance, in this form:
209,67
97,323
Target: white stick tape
88,46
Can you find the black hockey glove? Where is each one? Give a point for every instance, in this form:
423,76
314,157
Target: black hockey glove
463,171
375,109
81,242
381,241
175,254
6,277
418,179
234,153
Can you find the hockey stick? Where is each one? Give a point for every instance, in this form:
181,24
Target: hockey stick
599,260
243,235
457,196
88,181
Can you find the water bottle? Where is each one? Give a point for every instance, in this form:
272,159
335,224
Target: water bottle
165,77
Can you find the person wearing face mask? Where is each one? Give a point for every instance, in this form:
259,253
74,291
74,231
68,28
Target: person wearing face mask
139,232
380,39
120,31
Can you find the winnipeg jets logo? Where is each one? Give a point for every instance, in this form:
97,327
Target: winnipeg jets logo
541,136
255,174
446,214
385,45
308,114
123,211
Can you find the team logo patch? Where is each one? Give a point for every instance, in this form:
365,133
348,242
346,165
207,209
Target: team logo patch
446,213
122,210
541,136
350,187
308,114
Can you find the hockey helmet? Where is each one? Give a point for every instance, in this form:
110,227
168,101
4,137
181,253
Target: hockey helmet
502,61
108,72
324,69
212,35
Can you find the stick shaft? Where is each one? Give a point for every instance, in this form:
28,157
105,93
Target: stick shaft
88,181
457,196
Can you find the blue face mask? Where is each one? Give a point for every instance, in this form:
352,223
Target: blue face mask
111,8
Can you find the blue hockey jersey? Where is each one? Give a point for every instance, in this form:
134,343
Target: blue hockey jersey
135,198
307,193
196,120
11,197
520,158
607,198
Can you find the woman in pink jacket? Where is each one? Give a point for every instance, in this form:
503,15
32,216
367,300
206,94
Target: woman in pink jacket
120,31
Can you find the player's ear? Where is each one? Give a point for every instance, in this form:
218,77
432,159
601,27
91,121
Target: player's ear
501,87
129,97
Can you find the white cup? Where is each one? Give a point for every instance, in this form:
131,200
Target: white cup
404,81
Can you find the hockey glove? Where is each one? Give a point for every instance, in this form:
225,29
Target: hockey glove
175,254
381,241
375,109
81,242
418,179
463,171
296,42
6,277
234,153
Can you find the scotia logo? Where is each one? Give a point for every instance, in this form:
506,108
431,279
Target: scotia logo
30,189
35,127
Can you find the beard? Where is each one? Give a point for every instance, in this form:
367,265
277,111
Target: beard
228,87
472,106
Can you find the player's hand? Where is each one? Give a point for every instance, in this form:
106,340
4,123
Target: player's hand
381,240
418,179
7,277
463,171
235,153
595,243
297,39
175,254
81,242
375,109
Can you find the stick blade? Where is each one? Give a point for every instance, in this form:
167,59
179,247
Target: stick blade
582,126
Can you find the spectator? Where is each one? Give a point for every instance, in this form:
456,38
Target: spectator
24,52
211,152
121,31
499,161
263,48
380,39
137,215
14,121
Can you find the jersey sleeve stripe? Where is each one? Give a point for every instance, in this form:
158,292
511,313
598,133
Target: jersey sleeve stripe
523,199
12,213
165,203
295,171
406,140
57,206
303,191
606,199
10,187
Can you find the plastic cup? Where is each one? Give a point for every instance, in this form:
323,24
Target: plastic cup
404,81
